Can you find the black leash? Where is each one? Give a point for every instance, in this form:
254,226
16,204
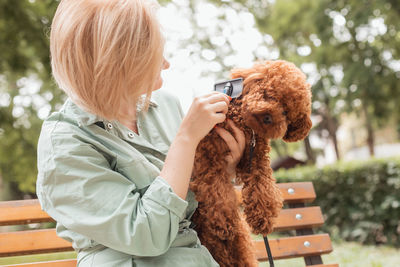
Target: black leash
251,152
271,261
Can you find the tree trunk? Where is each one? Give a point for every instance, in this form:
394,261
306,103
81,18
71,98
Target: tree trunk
332,126
335,144
370,132
370,139
309,151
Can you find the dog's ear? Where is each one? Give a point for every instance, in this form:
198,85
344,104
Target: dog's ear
298,129
257,71
241,73
249,77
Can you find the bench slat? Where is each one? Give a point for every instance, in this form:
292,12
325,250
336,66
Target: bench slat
72,263
32,242
297,192
29,211
59,263
292,219
45,241
22,212
302,192
293,247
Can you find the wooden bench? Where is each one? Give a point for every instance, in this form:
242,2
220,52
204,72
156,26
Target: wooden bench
296,217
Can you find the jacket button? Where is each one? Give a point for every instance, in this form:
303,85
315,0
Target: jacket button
109,125
130,135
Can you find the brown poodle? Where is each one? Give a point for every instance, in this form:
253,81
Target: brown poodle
275,103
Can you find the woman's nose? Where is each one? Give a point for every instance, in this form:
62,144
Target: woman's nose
165,64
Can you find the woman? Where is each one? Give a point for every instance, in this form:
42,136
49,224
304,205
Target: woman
115,162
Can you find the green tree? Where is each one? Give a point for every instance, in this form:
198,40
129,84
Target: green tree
224,49
359,37
24,53
24,60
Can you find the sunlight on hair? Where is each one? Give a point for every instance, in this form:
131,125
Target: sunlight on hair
105,54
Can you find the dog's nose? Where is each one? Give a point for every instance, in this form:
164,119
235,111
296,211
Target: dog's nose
267,119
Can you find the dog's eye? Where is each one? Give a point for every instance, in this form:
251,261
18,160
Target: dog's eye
284,113
267,119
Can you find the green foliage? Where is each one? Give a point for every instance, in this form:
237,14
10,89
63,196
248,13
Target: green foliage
38,258
281,149
360,199
24,52
358,38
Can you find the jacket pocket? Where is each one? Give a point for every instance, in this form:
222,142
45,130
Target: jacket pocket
141,172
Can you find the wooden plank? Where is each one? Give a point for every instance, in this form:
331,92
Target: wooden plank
309,260
22,212
297,192
72,263
59,263
293,247
29,211
45,241
292,192
291,219
32,242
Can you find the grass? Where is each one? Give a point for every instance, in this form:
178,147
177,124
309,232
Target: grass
37,258
351,254
345,253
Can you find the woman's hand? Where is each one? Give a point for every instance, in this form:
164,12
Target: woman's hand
205,112
236,145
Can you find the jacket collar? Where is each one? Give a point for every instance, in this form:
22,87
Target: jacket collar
85,118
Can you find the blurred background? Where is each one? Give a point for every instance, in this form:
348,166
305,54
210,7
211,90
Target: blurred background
349,50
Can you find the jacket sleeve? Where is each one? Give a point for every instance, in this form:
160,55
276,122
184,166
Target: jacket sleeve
78,188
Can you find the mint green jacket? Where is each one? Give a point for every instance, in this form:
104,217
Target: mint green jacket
100,181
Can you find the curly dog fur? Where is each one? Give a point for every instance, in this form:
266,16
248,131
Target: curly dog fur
275,103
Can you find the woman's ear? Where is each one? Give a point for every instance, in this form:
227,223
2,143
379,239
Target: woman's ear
298,130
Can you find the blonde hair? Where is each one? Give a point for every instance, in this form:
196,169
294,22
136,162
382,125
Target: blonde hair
106,53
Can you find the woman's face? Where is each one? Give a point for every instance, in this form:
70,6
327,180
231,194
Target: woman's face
165,65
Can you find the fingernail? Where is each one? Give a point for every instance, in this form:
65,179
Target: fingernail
230,98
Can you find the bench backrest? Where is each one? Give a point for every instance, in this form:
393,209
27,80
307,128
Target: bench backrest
295,217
